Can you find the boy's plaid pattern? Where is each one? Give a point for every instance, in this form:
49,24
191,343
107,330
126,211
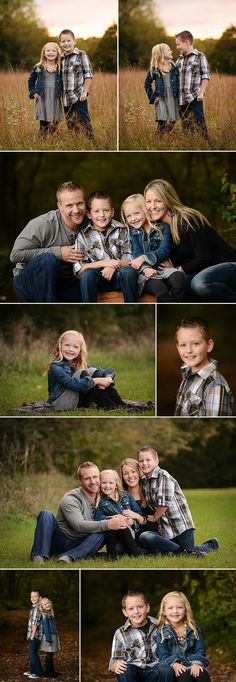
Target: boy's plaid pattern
204,393
162,490
135,646
75,68
193,68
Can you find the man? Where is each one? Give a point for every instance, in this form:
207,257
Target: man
44,251
73,534
194,76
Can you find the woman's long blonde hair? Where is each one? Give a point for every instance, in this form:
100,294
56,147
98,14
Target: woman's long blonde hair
157,57
81,361
139,199
130,462
181,215
43,60
163,620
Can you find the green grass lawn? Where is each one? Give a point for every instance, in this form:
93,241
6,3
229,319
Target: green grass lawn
212,513
135,380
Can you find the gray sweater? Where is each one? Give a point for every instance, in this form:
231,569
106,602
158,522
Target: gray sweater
75,515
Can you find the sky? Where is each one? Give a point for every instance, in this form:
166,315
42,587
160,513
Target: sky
89,18
204,18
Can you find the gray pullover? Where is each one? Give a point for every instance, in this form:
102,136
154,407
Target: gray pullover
75,515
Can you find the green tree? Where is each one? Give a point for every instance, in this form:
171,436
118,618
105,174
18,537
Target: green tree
139,30
105,55
223,56
22,34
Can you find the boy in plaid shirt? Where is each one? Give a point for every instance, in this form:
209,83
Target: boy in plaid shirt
34,636
194,75
76,76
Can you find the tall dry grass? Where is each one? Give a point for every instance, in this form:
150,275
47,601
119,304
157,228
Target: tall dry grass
138,129
19,130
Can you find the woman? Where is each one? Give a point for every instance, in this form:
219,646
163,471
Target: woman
208,262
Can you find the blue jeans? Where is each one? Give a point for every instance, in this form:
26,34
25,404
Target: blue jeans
77,114
192,114
50,540
40,282
125,279
35,665
185,541
216,283
158,673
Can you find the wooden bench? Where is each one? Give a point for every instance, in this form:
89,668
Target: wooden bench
117,297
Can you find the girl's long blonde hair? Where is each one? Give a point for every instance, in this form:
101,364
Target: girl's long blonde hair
43,60
163,620
181,215
51,604
119,488
81,361
139,199
157,57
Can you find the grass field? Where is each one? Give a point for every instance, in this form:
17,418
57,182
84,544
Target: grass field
211,509
137,117
19,130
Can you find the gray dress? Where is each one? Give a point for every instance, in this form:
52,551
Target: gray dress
167,109
48,106
50,647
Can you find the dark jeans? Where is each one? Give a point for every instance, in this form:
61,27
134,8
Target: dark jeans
125,279
77,115
185,541
167,290
40,282
47,127
216,283
49,665
35,665
158,673
192,115
50,540
165,127
187,677
106,398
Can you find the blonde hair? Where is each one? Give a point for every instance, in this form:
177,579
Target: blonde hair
180,214
130,462
119,487
139,199
81,360
158,58
162,618
43,60
51,605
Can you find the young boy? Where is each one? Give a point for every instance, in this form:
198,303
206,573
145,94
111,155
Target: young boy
34,636
133,655
107,246
203,391
76,76
168,505
194,75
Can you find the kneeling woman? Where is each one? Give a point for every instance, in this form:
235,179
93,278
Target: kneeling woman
72,383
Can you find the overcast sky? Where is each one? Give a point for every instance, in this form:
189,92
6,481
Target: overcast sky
204,18
88,18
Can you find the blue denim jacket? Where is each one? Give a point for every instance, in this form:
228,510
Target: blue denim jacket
155,248
108,507
169,651
157,78
60,377
49,627
37,79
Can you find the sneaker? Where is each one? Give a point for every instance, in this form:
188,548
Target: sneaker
38,560
65,558
213,542
32,676
27,673
199,553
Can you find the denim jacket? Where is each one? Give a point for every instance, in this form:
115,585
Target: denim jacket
155,248
169,651
108,507
60,377
37,79
49,627
156,77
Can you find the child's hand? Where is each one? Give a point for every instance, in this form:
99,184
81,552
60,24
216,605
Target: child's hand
151,517
200,98
137,262
119,667
149,272
103,382
130,513
196,669
36,96
178,668
157,100
167,264
108,272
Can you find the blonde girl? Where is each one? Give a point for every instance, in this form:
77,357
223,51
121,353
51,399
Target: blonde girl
179,639
150,246
162,87
45,87
208,262
50,642
73,383
116,501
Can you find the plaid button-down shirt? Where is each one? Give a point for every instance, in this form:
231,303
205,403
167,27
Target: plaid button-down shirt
193,68
113,243
133,645
204,393
35,618
162,490
75,68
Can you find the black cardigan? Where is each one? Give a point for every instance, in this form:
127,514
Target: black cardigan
199,248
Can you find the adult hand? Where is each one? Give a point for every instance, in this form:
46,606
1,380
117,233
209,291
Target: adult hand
178,668
196,669
119,667
167,263
117,522
149,272
137,262
69,255
151,517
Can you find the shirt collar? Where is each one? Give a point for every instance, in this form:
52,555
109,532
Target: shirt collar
74,51
205,372
155,473
128,624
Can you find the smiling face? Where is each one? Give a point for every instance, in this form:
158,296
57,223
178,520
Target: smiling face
156,207
167,52
67,42
72,208
147,462
136,610
193,347
130,476
108,483
90,481
183,46
174,610
50,52
45,604
70,346
101,213
34,597
134,215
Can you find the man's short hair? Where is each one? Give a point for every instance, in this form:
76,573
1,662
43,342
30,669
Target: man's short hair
69,187
133,593
67,30
85,465
148,448
194,323
184,36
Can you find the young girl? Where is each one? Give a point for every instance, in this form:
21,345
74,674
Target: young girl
115,501
165,76
50,640
73,383
150,245
179,639
45,86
